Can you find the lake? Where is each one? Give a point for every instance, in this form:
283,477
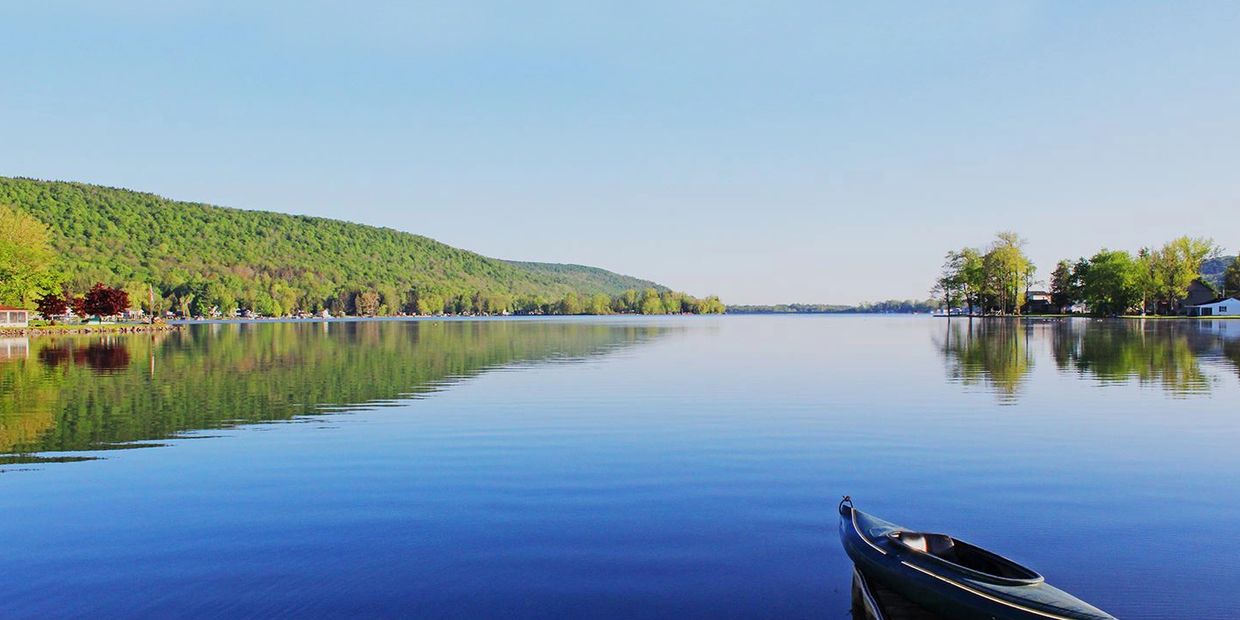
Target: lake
609,467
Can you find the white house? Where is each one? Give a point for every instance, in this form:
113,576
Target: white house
1222,307
14,317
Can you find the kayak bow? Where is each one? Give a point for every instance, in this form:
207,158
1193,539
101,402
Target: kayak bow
952,577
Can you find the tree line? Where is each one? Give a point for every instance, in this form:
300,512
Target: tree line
890,306
1109,283
994,280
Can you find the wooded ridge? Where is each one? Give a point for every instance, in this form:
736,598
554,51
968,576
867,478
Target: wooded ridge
199,257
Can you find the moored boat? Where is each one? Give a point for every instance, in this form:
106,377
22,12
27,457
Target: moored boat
951,577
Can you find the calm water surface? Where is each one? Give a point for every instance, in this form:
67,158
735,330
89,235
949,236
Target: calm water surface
671,467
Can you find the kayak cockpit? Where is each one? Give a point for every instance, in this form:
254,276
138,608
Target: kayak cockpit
961,554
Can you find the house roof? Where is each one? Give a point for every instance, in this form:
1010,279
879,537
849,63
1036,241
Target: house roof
11,308
1217,301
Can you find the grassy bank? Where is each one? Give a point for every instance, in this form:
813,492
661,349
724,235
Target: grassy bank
38,329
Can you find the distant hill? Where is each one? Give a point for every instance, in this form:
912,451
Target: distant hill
275,262
584,277
1212,270
891,306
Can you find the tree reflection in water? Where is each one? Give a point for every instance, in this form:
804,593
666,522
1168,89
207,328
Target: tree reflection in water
990,352
82,393
103,356
1171,354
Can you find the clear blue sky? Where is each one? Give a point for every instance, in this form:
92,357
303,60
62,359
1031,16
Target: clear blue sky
816,151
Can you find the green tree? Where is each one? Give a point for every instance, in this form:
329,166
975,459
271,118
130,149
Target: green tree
264,305
430,304
25,259
1076,285
1231,279
963,279
1061,285
222,298
951,286
651,304
600,304
628,302
1147,277
284,295
570,304
498,303
138,296
1008,272
389,300
1177,264
712,305
973,277
1111,284
673,302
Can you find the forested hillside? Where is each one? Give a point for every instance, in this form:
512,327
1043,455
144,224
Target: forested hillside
1214,270
582,277
199,256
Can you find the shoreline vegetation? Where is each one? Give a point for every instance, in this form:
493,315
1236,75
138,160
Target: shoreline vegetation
80,329
184,259
1164,281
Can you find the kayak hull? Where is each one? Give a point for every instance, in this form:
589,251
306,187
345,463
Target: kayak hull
946,589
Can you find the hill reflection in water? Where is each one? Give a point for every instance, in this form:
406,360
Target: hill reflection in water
87,393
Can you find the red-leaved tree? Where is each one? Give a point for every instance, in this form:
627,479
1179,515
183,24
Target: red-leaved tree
51,304
79,305
105,301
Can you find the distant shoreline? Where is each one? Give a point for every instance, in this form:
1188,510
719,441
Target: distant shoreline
1148,317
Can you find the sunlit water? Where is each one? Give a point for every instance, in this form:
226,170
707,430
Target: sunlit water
609,467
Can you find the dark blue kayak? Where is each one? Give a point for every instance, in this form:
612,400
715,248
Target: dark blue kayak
951,577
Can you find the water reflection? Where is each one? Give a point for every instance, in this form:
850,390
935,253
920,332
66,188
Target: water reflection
14,348
994,353
1174,355
92,393
102,356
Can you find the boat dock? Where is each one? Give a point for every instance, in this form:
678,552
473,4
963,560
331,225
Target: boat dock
874,601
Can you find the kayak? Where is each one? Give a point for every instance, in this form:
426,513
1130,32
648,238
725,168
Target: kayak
951,577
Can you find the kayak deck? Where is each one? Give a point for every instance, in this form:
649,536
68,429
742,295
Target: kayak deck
872,600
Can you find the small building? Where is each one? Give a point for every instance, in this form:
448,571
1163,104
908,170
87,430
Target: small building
1199,293
1228,306
1039,302
14,317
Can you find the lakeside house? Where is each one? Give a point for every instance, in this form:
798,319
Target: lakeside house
14,317
1040,302
1198,293
1227,306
